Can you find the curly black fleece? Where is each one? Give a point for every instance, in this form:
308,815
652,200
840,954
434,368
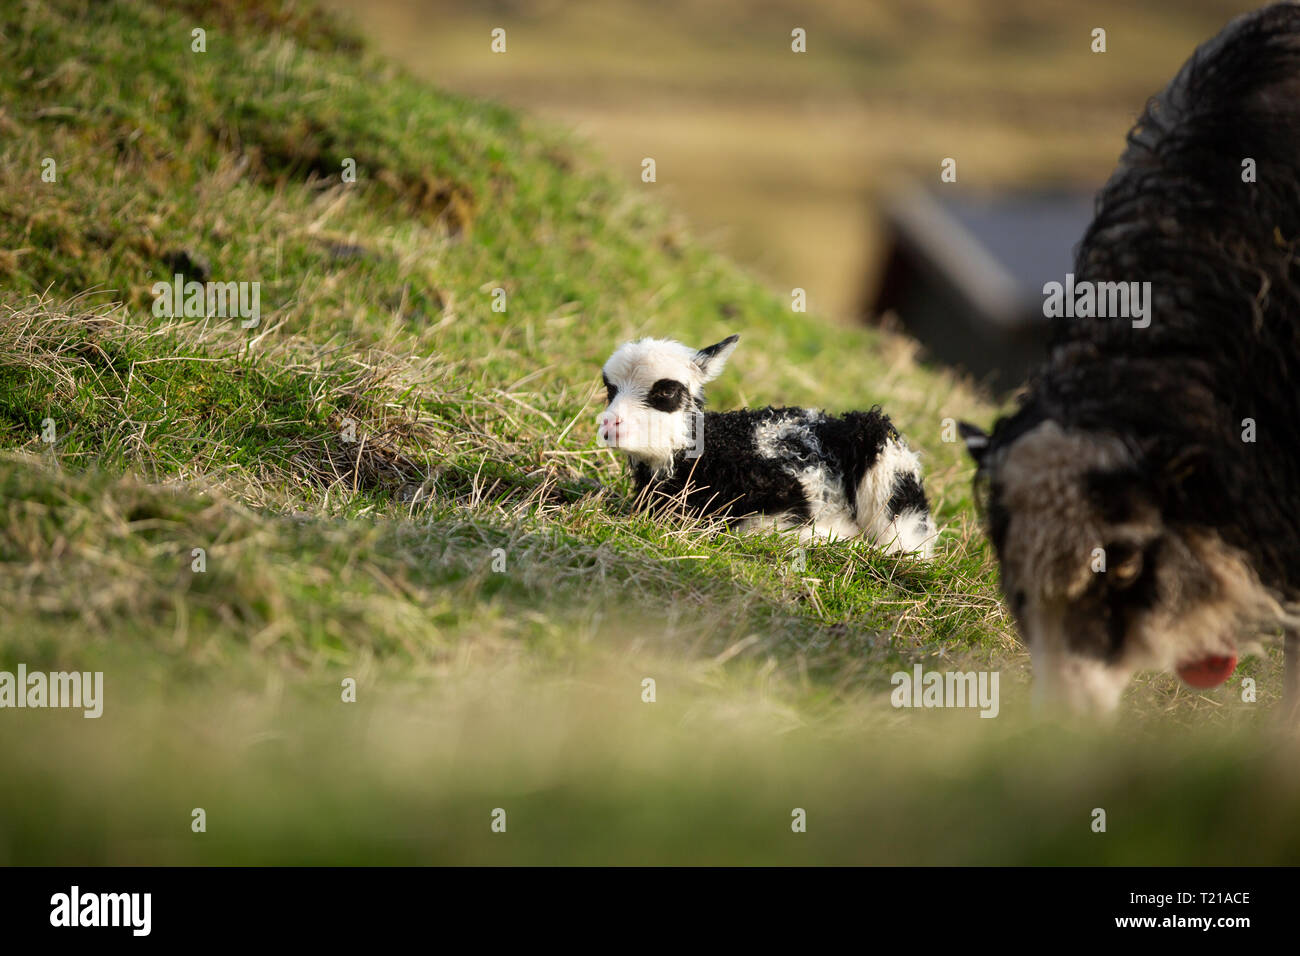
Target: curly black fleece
731,477
1224,340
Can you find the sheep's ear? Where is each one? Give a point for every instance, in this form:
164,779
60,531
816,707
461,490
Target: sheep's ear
711,359
976,439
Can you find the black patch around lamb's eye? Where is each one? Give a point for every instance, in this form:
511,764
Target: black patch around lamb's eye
667,395
610,389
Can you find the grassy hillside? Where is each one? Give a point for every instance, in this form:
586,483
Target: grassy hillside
394,483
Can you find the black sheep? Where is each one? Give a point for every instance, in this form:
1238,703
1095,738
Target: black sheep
1144,499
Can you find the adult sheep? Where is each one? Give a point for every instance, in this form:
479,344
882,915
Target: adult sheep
1144,499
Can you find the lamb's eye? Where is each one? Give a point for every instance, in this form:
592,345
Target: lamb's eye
667,395
610,390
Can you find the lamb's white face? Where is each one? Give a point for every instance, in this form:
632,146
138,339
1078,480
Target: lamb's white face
655,389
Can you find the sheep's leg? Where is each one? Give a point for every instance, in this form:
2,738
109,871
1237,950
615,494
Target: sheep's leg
764,524
816,534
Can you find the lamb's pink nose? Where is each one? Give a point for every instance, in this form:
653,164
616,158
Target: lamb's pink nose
609,427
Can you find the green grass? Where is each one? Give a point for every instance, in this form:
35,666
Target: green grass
380,558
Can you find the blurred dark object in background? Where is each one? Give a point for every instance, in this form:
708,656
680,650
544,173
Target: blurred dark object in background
965,275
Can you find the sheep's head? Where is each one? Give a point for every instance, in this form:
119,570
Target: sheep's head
655,392
1100,580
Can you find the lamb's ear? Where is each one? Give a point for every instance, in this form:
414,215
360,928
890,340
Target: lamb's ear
976,439
711,359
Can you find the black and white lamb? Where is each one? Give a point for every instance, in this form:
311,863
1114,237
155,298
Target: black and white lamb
1144,500
791,469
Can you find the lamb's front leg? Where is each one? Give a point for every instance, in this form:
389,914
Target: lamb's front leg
785,524
819,534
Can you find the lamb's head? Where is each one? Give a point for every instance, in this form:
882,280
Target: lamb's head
1102,580
655,393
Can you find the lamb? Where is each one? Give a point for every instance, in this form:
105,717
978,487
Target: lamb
795,470
1144,499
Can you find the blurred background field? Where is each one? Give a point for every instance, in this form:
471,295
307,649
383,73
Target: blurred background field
779,159
521,687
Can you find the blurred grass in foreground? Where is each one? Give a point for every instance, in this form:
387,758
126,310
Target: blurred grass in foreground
587,773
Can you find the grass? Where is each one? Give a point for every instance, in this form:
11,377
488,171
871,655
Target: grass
388,481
